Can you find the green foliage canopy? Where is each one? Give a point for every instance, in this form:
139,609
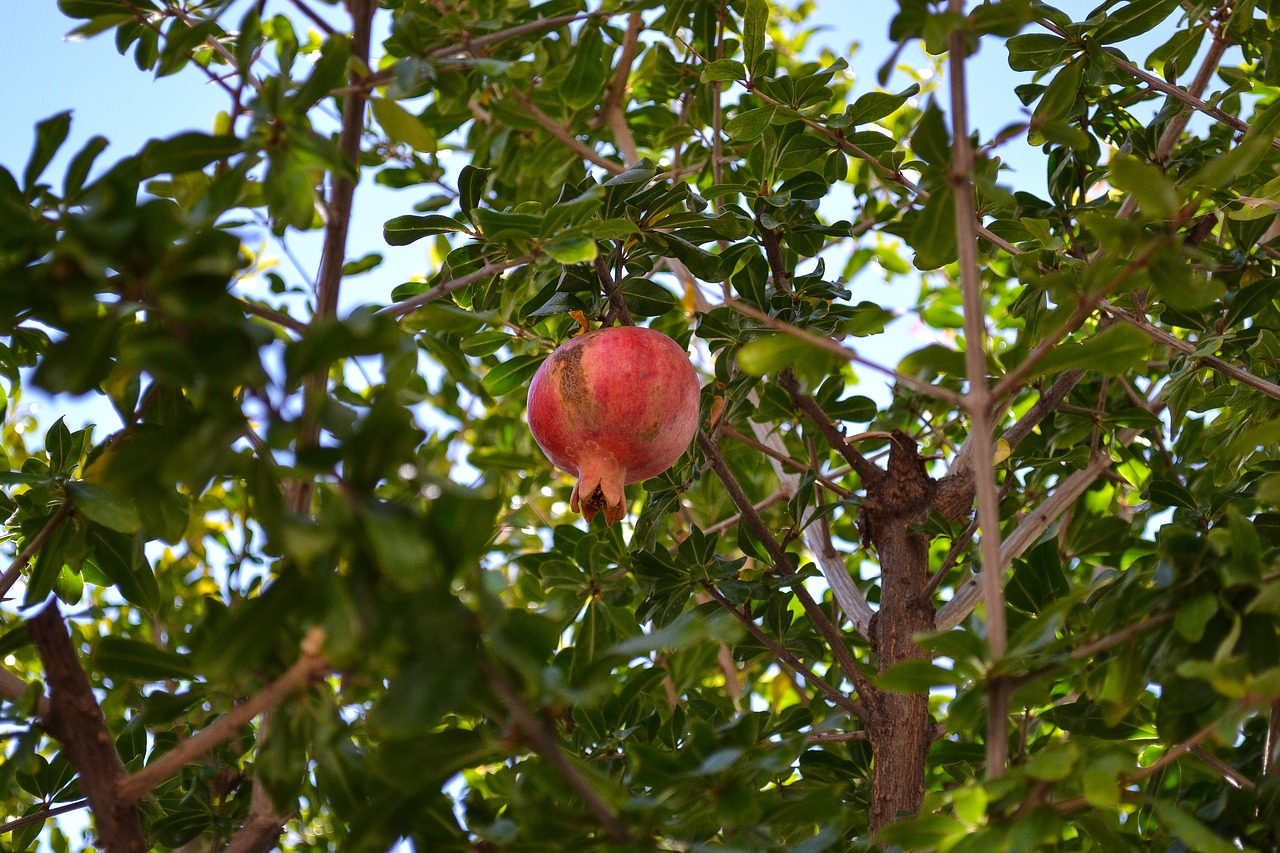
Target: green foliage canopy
323,591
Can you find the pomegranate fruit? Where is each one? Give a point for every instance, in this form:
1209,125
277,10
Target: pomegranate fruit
611,407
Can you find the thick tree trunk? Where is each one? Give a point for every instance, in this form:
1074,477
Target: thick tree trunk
899,732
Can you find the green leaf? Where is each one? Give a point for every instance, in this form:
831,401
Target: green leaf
402,126
723,70
403,230
1055,763
877,105
1193,616
119,657
1036,51
934,234
1100,777
103,506
50,134
1057,101
917,676
770,354
399,542
1191,832
186,152
640,173
1112,352
588,71
1242,158
690,629
510,375
1153,190
120,557
471,183
571,250
63,447
754,23
327,73
1134,19
81,163
646,298
931,141
750,124
922,832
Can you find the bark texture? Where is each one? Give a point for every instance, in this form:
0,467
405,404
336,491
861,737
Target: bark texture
75,719
899,731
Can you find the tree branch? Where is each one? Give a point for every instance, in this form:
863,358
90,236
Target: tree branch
12,687
1160,336
338,209
794,464
41,816
782,564
785,657
843,589
20,562
311,664
545,744
1022,538
76,720
860,464
614,114
978,400
617,302
566,138
406,306
840,351
271,315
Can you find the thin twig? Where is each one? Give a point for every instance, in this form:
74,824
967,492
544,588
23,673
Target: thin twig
1094,647
721,526
1167,88
1088,304
1223,768
11,574
270,314
617,301
613,108
310,665
473,45
544,742
1172,754
786,658
794,464
978,400
41,816
406,306
860,464
566,138
835,348
830,561
320,22
782,564
1160,336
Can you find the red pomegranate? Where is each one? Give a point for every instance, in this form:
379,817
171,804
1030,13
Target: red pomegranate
614,406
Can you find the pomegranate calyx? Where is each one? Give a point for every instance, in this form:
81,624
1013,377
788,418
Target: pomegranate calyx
599,486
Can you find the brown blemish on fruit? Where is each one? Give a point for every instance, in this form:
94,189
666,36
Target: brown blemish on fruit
650,432
571,376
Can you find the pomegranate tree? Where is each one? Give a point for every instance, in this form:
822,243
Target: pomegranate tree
614,406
